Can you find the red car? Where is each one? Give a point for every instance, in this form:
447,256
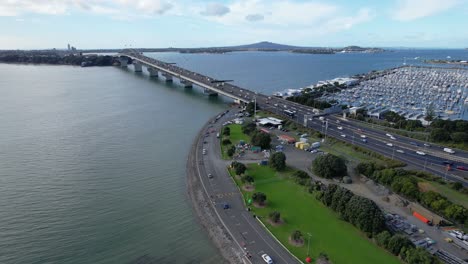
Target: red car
463,168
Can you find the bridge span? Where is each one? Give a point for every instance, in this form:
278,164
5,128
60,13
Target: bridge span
186,77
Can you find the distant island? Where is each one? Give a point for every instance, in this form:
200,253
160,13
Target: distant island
91,57
260,46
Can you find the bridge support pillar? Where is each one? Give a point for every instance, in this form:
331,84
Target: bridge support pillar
123,61
152,72
137,66
168,77
187,84
210,92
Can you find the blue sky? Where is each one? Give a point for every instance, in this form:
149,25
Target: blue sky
35,24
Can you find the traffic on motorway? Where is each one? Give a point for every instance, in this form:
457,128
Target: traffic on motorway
420,155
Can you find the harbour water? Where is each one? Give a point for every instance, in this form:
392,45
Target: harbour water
92,160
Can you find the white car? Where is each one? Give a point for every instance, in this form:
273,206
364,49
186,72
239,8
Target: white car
390,144
210,175
363,136
392,138
267,259
427,145
340,128
421,153
343,135
400,151
388,135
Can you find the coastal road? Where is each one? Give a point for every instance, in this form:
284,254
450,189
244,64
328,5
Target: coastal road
248,233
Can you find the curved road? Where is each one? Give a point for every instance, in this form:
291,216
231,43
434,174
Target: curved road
246,230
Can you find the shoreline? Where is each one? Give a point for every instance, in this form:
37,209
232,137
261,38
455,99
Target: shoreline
202,207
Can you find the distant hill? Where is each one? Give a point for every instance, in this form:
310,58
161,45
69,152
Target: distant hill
265,45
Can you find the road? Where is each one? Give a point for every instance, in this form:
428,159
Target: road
431,162
243,227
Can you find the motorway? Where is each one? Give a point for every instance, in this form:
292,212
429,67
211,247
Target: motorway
377,140
246,230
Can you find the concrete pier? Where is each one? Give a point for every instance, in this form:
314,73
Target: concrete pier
187,84
152,72
138,67
210,92
167,76
123,61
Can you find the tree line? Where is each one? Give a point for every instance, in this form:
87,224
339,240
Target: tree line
367,216
56,59
405,183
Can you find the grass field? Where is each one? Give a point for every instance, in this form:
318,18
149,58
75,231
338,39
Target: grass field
445,190
235,137
341,241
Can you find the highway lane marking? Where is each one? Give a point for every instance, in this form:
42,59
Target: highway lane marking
279,255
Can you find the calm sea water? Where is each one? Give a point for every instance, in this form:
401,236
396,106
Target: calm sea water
92,160
92,167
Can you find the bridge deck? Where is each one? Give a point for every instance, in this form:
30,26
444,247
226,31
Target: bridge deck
201,80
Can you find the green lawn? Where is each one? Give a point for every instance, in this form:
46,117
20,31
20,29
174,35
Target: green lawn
342,242
235,137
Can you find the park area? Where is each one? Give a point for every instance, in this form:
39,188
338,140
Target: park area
342,242
235,136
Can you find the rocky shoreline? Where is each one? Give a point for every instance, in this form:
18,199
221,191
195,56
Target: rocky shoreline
204,210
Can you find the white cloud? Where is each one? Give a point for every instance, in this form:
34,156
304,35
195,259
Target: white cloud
215,9
408,10
346,22
254,17
61,7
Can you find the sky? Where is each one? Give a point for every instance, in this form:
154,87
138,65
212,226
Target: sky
88,24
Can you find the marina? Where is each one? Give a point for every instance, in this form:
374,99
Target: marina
410,92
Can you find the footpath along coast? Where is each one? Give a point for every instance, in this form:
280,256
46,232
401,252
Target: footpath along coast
236,232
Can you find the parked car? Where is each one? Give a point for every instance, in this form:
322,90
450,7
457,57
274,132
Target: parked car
226,206
210,175
267,259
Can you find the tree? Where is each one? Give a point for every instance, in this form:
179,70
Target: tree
457,213
382,238
250,108
329,166
249,128
226,131
459,137
296,235
278,161
275,216
418,256
430,113
231,151
259,198
439,134
397,242
456,186
239,168
226,141
261,139
247,178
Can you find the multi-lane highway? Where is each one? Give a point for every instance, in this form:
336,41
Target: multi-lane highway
402,147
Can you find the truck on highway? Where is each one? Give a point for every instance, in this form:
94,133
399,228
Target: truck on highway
449,150
421,218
